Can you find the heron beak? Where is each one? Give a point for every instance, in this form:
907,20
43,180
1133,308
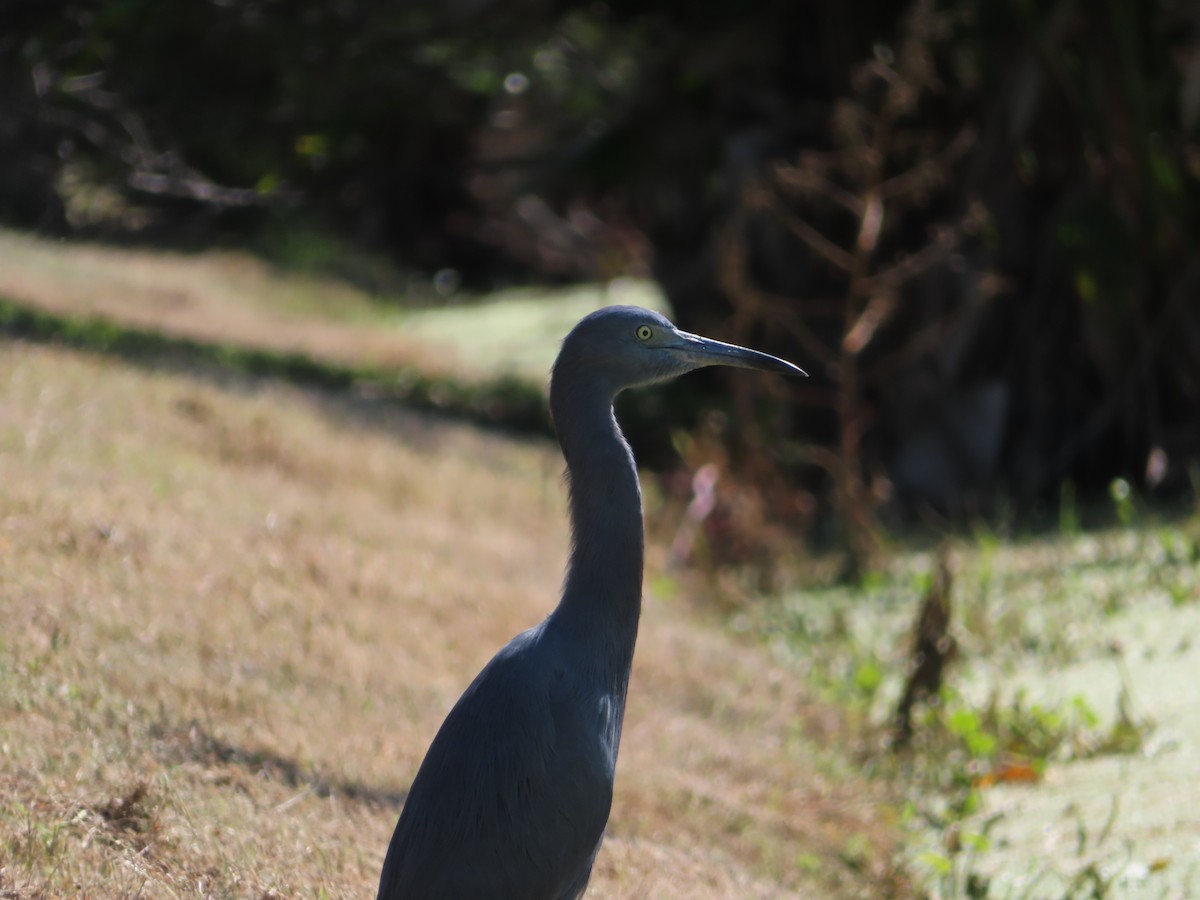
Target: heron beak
702,351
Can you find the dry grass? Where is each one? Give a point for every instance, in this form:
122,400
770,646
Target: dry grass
233,617
217,296
231,297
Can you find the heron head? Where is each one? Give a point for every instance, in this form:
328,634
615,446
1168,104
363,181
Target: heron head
626,346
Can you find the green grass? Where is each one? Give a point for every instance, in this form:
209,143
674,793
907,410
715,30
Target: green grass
518,331
1071,654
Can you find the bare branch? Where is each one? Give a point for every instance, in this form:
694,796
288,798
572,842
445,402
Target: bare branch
817,242
753,303
934,334
904,270
870,225
929,173
772,316
806,183
878,311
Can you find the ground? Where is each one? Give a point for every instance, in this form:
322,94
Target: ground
1062,761
235,612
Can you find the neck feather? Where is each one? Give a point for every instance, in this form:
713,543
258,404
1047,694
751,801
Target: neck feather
602,595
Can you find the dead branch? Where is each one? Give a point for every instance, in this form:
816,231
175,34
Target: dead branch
817,242
933,648
929,173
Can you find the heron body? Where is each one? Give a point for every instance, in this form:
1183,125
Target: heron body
514,793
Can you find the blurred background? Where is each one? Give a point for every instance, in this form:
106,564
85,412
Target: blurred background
975,226
950,583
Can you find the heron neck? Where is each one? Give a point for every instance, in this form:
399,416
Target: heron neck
602,594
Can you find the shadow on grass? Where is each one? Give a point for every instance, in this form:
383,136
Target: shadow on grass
507,403
194,743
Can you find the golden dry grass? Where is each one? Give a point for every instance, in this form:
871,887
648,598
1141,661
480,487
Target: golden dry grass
217,296
232,297
234,615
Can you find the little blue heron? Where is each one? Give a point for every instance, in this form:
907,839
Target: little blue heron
514,794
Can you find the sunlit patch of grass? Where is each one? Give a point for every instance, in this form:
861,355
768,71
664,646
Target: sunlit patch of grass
517,331
1066,650
317,310
502,401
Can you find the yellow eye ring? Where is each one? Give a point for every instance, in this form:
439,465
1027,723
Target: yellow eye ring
644,332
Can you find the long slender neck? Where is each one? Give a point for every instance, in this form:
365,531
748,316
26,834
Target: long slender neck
602,595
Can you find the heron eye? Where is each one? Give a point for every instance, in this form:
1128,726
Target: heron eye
644,332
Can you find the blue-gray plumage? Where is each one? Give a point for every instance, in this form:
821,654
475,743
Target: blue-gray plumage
515,791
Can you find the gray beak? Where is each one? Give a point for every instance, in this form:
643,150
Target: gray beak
701,351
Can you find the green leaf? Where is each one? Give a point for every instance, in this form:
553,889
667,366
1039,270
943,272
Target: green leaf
936,861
